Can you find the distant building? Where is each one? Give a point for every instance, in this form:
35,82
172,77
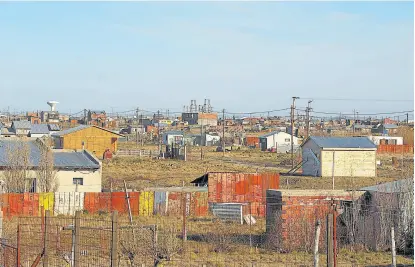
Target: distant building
200,118
172,137
280,141
75,171
385,129
386,140
21,128
39,130
90,137
353,156
49,116
97,117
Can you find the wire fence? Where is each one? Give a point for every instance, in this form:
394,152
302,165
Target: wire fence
352,233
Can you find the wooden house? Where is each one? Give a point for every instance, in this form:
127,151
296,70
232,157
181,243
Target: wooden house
89,137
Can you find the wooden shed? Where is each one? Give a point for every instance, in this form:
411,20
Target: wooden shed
89,137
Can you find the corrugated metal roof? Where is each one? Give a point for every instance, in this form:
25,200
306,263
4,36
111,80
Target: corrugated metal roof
39,129
342,142
65,160
7,131
390,126
174,132
81,127
22,124
400,186
269,134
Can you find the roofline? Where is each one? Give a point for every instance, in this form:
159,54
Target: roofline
89,127
348,148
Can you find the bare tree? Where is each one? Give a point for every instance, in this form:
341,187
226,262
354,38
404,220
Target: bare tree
45,172
17,157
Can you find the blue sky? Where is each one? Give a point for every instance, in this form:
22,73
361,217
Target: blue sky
244,56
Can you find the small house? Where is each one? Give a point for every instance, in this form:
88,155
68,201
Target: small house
39,130
172,137
341,156
386,140
385,129
21,128
90,137
280,141
73,170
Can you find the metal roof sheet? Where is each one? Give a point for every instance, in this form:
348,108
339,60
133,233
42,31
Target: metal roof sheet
81,127
174,132
400,186
22,124
66,160
390,126
39,129
343,142
269,134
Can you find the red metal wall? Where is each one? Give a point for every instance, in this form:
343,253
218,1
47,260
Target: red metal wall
242,188
395,149
107,202
252,140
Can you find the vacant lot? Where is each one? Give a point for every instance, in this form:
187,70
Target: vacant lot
145,172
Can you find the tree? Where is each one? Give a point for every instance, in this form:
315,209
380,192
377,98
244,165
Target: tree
17,157
45,172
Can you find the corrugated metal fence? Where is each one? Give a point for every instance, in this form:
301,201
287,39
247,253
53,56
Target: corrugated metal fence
396,149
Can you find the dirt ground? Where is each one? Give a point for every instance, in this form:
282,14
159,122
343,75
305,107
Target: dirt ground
144,172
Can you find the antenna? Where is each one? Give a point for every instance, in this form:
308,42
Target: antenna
52,105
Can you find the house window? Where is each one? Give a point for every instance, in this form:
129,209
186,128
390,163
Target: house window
31,185
287,139
78,181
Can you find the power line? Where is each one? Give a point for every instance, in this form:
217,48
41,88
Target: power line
357,99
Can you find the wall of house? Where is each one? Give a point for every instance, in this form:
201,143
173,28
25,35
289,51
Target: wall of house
92,180
377,140
95,140
354,163
38,135
168,139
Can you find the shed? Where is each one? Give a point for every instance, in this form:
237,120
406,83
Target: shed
277,139
346,156
172,137
39,130
90,137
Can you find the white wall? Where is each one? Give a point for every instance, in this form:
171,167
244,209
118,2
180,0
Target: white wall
351,163
92,180
38,135
376,139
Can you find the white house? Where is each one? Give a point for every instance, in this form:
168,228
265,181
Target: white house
21,128
39,130
279,140
386,140
76,171
341,156
172,137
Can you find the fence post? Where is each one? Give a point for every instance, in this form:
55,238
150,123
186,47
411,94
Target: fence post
45,239
18,245
393,248
316,241
329,226
1,224
77,229
114,239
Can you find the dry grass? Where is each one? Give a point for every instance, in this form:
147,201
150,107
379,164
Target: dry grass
145,172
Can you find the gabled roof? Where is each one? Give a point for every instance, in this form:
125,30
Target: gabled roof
7,131
81,127
62,160
22,125
400,186
39,129
342,142
269,134
173,133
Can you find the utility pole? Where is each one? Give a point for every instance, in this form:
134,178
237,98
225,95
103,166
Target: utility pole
308,118
85,117
223,131
158,130
407,118
354,118
136,129
292,130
